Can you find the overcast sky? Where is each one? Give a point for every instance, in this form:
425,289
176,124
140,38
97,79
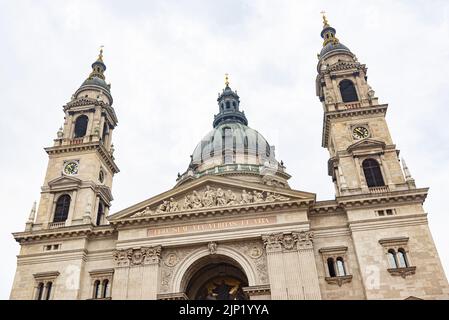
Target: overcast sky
166,61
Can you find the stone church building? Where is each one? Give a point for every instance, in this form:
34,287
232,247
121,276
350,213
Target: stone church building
232,227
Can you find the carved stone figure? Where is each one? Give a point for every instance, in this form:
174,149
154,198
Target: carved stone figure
188,204
221,198
173,205
196,200
209,197
163,207
258,197
212,246
231,198
171,260
246,197
270,197
280,197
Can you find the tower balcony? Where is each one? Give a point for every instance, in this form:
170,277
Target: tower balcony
75,141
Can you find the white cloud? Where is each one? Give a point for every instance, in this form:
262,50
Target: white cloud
166,61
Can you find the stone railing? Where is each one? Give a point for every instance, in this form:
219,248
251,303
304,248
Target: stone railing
55,225
382,189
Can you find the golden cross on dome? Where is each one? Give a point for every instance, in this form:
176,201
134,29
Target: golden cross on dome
325,22
227,80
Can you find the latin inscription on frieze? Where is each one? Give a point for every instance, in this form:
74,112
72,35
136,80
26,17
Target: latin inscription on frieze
212,226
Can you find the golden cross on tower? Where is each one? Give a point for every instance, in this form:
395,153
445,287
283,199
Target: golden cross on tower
100,56
325,22
227,80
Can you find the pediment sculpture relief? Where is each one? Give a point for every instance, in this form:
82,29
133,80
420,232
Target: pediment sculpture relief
212,197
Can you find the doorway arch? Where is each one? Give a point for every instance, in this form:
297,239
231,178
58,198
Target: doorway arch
201,269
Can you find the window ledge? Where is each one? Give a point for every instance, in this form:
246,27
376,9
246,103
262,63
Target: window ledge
403,272
340,280
108,298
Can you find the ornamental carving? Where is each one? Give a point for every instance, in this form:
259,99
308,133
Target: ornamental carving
212,246
305,240
135,257
212,197
171,260
288,241
344,65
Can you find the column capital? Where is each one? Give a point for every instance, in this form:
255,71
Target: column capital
137,256
288,241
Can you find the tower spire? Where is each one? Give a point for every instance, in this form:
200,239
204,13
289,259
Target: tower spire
227,79
328,33
98,67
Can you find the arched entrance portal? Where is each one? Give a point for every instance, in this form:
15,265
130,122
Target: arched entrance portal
216,277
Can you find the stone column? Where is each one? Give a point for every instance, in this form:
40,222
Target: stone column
137,273
307,266
293,279
151,270
121,274
275,264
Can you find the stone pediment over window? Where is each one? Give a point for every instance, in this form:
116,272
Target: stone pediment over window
371,144
212,193
64,183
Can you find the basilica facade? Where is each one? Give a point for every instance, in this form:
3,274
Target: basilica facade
232,228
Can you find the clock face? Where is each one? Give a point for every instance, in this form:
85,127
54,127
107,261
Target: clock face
71,168
360,133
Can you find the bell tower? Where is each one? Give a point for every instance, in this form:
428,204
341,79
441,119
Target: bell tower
363,157
78,181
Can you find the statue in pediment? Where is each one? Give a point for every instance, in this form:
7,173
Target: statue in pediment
258,197
196,200
246,197
231,198
188,204
173,205
209,197
163,207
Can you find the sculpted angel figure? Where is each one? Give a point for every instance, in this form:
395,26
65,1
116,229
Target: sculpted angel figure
231,198
246,197
221,199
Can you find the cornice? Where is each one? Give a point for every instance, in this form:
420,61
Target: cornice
368,199
214,212
79,231
99,147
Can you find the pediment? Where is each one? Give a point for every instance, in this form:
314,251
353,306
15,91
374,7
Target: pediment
211,193
64,182
367,144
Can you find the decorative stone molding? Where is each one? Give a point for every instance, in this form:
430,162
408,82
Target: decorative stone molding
273,242
171,259
172,296
46,276
288,241
339,280
305,240
212,246
403,272
211,198
135,257
258,290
